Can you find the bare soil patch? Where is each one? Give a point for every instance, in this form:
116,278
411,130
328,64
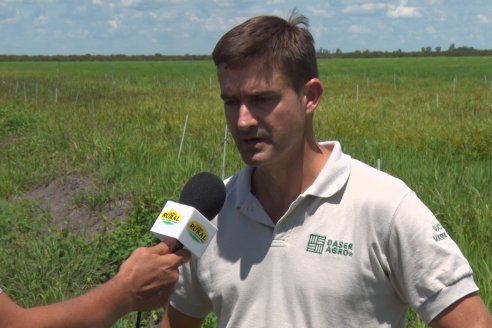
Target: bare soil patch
64,200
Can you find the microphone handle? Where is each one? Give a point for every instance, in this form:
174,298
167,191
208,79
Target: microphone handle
177,247
139,316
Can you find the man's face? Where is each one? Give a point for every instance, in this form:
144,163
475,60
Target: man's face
265,115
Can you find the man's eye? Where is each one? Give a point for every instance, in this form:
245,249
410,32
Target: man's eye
264,100
230,102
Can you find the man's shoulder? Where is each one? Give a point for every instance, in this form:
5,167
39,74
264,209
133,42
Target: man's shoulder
370,186
367,175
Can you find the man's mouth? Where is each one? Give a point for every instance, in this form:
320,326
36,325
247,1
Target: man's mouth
252,141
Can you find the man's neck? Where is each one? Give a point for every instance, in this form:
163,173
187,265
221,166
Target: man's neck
276,187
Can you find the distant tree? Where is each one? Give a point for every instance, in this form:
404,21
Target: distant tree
465,49
451,47
438,49
323,53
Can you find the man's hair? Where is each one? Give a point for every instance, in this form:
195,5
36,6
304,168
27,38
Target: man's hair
272,43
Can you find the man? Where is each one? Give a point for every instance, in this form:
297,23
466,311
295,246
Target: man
309,237
144,282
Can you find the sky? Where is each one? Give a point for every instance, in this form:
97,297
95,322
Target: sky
178,27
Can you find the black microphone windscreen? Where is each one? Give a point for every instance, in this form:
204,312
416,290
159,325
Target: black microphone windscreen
205,192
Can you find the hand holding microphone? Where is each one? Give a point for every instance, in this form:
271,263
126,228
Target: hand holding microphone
200,201
148,277
187,223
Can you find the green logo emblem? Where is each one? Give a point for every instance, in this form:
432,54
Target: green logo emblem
316,244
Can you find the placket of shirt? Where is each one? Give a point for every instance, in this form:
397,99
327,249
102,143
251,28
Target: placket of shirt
282,229
252,209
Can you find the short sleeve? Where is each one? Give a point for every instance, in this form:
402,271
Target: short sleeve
189,297
428,269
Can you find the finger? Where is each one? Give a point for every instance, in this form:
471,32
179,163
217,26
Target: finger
174,260
161,248
170,242
184,254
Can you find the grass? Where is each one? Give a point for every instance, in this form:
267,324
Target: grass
427,120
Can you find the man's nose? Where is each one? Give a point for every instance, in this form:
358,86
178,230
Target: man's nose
246,119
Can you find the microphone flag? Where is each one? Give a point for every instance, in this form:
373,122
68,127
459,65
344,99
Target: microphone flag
186,224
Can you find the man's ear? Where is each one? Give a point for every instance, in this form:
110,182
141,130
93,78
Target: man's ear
313,90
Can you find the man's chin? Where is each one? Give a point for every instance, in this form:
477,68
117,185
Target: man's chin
253,159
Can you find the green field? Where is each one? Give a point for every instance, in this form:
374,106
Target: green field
102,136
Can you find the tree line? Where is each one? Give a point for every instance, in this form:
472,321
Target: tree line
428,51
320,53
112,57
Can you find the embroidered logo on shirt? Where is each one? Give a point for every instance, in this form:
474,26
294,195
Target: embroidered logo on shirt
319,244
316,244
440,232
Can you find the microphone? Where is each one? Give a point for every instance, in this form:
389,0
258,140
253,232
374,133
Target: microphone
188,221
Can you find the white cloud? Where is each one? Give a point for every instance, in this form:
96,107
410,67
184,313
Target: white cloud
78,34
393,11
365,8
319,30
358,29
97,2
9,16
352,2
431,31
10,20
24,1
440,15
483,19
163,16
403,11
40,21
130,3
319,12
69,35
210,23
435,2
113,24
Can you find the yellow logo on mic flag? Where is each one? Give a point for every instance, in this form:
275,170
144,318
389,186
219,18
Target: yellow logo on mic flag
197,232
171,217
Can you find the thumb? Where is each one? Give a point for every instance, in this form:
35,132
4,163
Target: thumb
167,245
164,247
170,243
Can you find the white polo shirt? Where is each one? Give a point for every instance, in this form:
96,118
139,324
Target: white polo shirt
354,250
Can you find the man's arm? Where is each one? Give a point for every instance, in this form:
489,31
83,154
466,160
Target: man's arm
175,319
470,312
145,281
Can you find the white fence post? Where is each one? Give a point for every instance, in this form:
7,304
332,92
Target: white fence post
182,136
224,152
